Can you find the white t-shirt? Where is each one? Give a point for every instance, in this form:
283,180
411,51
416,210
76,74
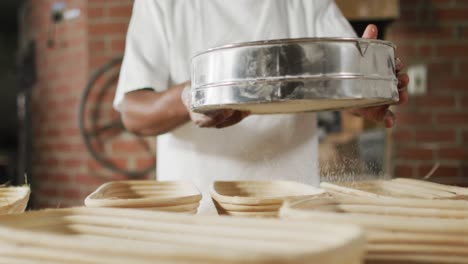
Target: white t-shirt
162,37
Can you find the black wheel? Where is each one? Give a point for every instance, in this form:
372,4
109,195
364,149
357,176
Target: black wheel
113,127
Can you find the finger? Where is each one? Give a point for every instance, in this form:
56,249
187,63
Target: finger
371,32
223,113
403,97
375,114
378,114
211,119
245,114
399,65
202,120
186,96
207,121
389,119
234,119
403,81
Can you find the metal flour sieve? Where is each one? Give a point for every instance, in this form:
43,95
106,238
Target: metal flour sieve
295,75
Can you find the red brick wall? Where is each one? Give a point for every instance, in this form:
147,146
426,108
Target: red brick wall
433,128
63,171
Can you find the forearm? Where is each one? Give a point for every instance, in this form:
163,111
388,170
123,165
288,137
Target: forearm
147,112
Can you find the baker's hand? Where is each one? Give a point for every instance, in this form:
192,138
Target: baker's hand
382,113
217,118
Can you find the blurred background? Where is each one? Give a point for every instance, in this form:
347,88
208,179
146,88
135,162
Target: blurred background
59,61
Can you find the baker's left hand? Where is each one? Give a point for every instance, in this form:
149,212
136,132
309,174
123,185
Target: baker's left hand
382,113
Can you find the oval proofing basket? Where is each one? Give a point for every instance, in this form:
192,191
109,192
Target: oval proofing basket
399,230
171,196
13,200
111,235
257,198
399,188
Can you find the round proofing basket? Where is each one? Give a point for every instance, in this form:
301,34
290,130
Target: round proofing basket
295,75
111,235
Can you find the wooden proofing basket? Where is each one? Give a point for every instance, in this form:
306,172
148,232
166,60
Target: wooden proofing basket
13,200
398,230
399,187
257,198
170,196
111,235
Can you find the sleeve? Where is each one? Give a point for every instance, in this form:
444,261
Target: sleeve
330,22
145,64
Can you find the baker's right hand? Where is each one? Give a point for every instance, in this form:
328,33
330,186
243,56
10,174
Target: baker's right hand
216,118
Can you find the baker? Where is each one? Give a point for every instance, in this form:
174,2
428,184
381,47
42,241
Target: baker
162,37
